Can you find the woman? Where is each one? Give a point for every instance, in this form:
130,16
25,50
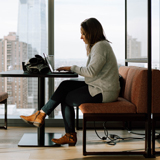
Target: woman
101,82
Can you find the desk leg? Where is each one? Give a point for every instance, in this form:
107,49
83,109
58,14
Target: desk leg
39,139
41,101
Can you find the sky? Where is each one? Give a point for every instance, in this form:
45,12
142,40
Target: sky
8,16
70,13
67,25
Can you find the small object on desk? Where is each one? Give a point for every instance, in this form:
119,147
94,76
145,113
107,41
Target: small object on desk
36,65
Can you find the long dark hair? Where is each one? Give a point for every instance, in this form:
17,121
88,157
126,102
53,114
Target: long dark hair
93,32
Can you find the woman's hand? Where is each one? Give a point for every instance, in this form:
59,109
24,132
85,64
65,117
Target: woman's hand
66,68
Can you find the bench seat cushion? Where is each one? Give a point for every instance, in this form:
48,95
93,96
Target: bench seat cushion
120,106
3,96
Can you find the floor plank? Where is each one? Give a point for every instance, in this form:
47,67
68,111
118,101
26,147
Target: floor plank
9,149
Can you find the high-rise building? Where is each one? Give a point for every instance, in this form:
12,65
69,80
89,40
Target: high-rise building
32,25
12,53
33,31
133,47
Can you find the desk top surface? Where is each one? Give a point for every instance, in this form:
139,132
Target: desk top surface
21,73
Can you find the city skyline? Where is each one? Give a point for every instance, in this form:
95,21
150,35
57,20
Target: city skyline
25,34
15,87
17,47
10,24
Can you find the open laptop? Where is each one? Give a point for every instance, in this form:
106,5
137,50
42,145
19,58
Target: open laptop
51,68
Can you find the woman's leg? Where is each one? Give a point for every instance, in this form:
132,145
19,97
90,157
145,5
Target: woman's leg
68,117
59,95
76,98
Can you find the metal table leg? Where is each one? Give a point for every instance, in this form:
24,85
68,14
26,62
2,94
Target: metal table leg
39,139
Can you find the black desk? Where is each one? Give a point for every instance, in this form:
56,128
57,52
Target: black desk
41,138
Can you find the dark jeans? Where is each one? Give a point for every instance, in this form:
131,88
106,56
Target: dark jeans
70,93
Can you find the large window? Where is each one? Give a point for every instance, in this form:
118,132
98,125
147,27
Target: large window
69,48
137,22
23,34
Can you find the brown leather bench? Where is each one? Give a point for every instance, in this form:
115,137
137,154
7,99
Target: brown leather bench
3,100
131,106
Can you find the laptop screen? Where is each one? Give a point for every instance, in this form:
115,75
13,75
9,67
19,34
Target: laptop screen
47,60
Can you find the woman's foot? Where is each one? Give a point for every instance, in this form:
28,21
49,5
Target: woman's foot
36,119
68,138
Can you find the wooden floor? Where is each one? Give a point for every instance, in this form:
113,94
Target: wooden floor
10,151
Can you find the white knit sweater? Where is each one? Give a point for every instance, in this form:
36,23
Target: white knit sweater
101,72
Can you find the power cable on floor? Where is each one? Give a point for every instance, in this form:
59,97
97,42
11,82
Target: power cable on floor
113,138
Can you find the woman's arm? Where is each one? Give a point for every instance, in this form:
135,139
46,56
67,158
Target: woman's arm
96,61
94,67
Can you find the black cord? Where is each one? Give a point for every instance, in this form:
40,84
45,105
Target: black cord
113,138
102,138
111,142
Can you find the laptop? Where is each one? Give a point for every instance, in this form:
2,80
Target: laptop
48,62
51,68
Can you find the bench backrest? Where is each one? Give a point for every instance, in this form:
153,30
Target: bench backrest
135,87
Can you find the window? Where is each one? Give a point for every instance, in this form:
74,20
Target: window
69,48
155,34
137,28
137,31
23,34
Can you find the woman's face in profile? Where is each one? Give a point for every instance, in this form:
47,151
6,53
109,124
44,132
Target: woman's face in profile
83,36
